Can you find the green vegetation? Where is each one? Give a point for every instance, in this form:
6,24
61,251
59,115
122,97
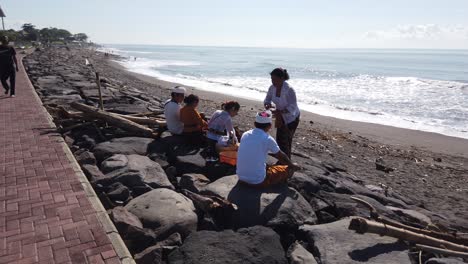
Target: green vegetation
30,34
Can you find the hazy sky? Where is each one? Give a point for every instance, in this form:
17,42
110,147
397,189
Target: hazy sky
266,23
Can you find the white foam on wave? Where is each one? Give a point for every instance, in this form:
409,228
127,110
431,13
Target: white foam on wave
405,102
109,50
143,64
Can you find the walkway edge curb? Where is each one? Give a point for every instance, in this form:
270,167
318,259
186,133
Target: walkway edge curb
111,231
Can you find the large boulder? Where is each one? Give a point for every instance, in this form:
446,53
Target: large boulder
276,207
135,170
297,254
334,243
304,184
123,219
126,145
165,211
193,182
255,245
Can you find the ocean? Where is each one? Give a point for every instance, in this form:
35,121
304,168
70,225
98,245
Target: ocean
423,90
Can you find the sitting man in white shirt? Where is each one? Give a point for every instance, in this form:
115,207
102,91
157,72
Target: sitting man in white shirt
172,110
254,147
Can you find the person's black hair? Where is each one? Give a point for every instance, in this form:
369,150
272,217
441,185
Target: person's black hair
231,105
281,73
4,39
174,94
262,125
190,99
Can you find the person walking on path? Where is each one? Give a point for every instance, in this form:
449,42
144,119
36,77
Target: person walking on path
287,112
255,145
8,66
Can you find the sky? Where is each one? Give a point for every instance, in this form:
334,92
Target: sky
427,24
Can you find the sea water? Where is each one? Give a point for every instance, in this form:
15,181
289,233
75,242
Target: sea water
417,89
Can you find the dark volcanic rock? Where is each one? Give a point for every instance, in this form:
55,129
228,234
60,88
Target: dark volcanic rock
118,192
334,243
304,184
85,157
123,219
166,211
135,170
92,172
151,255
255,245
276,207
127,145
297,254
193,182
137,238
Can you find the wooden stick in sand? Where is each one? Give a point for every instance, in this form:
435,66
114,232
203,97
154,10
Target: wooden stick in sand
361,226
446,252
98,82
115,120
375,216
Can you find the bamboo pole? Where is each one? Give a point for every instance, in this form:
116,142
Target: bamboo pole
442,251
361,226
375,216
98,82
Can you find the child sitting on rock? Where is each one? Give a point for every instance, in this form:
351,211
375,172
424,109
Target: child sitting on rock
220,125
255,145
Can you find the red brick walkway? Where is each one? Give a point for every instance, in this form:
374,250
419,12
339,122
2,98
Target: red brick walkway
48,214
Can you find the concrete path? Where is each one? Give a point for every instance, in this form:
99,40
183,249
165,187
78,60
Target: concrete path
48,210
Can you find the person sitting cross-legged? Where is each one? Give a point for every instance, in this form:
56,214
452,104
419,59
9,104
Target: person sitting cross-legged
172,111
254,147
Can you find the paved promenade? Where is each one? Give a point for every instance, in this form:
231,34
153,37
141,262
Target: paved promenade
48,211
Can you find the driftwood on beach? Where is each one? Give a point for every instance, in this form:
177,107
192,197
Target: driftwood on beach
115,119
362,226
375,216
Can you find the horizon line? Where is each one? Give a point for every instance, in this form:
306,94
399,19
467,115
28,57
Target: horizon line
280,47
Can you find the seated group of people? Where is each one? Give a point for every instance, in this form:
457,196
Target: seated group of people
188,122
253,148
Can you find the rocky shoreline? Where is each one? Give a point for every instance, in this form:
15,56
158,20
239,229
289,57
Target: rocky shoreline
157,190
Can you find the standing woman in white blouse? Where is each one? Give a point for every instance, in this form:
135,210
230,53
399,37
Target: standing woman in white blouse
287,112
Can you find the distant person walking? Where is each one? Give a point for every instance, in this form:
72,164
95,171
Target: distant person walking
287,112
8,66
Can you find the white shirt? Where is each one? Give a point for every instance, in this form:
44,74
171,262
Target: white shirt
220,121
286,101
172,113
252,155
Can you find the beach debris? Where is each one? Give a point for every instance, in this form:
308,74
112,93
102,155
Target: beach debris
115,120
362,226
381,166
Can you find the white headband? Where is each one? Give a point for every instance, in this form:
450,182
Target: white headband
263,117
179,90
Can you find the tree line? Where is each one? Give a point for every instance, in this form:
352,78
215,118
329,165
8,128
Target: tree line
29,33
